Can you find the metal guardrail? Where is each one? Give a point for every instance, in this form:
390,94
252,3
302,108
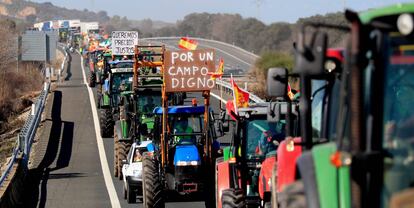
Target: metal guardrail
27,133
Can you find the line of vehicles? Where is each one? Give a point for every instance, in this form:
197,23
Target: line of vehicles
345,141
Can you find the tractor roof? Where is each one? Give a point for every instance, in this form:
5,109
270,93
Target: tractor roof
396,9
122,70
181,110
120,61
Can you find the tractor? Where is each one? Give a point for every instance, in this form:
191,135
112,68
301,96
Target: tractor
120,75
243,174
370,163
183,162
136,118
182,167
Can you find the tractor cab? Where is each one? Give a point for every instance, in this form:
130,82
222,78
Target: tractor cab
248,162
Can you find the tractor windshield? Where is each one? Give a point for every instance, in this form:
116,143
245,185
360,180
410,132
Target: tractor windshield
263,137
147,102
186,129
122,78
398,131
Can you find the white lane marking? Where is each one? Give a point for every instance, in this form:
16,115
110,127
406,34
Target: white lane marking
113,196
218,97
226,53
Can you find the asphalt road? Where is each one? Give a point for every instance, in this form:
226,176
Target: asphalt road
73,164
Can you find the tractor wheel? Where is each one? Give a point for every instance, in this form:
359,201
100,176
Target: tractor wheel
273,199
107,123
233,198
123,149
293,196
116,141
92,79
131,196
151,185
125,192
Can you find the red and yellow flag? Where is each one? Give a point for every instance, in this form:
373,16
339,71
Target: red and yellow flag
219,72
241,97
187,44
290,93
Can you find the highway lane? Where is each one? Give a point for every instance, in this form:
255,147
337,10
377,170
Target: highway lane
109,147
66,169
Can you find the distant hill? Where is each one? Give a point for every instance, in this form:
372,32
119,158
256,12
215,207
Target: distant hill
32,12
250,33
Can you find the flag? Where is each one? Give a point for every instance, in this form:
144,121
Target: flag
240,96
290,94
187,44
219,72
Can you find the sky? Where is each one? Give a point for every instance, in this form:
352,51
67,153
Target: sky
268,11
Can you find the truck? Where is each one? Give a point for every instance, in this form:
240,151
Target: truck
89,27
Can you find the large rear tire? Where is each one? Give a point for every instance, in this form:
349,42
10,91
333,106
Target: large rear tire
107,123
233,198
293,196
151,185
123,149
116,140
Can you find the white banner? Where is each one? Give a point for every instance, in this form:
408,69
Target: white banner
123,42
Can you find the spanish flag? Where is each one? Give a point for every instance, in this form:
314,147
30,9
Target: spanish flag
187,44
290,94
240,96
219,72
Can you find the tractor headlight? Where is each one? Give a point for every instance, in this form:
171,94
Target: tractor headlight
188,163
405,24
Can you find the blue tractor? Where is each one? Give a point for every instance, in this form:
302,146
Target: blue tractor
184,161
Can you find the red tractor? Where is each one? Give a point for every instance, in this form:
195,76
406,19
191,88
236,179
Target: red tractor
243,174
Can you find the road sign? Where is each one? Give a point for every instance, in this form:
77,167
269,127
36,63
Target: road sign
123,42
188,71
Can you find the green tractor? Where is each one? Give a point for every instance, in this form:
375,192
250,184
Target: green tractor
136,118
371,163
117,84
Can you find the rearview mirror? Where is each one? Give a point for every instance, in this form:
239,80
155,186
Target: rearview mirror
310,59
277,82
124,162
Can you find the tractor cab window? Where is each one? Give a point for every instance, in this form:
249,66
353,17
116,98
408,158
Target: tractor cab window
398,123
124,79
147,102
186,128
263,138
123,65
318,93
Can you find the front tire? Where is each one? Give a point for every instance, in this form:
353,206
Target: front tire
92,78
107,123
123,149
233,198
116,140
152,188
293,196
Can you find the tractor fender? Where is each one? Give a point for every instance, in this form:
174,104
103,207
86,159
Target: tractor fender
118,130
286,163
265,176
222,178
